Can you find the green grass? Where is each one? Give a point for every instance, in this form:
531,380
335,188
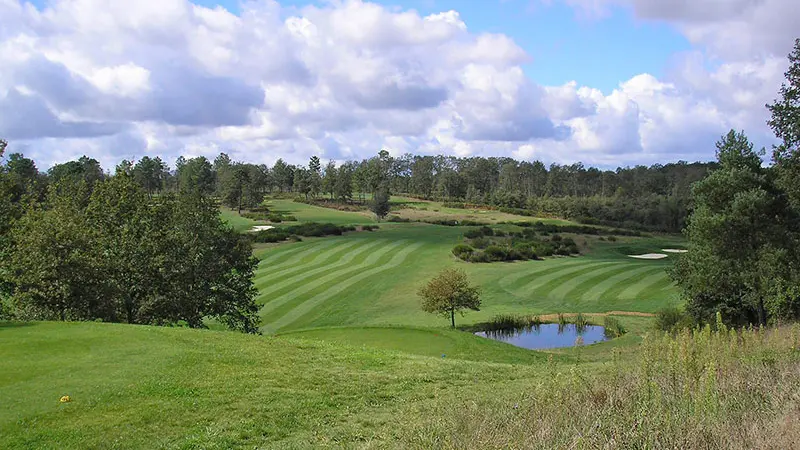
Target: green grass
436,343
372,278
155,387
311,213
236,221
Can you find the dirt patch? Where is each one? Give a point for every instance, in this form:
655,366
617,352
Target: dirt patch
649,256
673,250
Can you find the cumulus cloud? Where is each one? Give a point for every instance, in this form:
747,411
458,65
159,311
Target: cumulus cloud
168,77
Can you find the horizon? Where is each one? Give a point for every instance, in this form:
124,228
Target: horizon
610,83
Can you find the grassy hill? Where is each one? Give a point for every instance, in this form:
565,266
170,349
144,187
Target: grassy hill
151,387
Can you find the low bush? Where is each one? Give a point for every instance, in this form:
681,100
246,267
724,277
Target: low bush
496,253
672,319
398,219
613,328
463,251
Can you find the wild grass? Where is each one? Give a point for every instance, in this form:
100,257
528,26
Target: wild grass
700,389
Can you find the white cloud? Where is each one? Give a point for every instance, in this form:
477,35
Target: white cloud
117,79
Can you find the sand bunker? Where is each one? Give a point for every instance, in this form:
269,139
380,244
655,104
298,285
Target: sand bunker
262,227
673,250
650,256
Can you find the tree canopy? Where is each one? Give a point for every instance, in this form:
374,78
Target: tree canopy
448,293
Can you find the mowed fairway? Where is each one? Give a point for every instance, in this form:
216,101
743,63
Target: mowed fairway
371,278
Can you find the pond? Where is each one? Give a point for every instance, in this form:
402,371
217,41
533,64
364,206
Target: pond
547,335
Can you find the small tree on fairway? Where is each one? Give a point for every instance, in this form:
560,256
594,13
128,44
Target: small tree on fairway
448,293
380,204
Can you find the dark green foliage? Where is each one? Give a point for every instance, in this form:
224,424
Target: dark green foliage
672,319
496,253
380,203
742,242
463,251
513,246
127,257
369,227
309,229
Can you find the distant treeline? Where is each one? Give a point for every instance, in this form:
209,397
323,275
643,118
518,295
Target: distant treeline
642,197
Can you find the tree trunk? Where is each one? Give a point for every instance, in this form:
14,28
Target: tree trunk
453,318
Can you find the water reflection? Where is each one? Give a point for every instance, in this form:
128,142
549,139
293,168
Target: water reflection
548,335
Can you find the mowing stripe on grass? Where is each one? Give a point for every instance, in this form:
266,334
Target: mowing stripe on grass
562,274
589,285
310,273
300,290
320,258
511,282
315,301
296,256
282,251
615,283
634,289
564,289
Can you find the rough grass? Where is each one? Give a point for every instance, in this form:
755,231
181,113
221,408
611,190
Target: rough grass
701,390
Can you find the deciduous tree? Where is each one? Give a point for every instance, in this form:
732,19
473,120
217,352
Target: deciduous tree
449,293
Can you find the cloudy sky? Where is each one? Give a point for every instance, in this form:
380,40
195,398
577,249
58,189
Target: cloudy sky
605,82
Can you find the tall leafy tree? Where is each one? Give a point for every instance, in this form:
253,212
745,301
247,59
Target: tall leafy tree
329,179
150,174
785,122
314,176
195,176
380,203
736,233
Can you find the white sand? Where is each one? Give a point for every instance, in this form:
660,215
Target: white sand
262,227
673,250
649,256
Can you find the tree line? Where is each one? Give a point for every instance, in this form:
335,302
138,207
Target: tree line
78,244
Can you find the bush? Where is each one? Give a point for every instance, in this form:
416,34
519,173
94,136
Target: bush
398,219
270,236
613,329
479,257
481,243
369,227
275,218
463,251
671,319
473,233
496,253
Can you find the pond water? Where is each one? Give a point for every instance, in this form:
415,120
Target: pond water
547,335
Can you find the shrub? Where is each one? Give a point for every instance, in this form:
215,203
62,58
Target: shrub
275,218
398,219
612,239
481,242
486,231
496,253
479,257
369,227
672,319
613,329
463,251
473,233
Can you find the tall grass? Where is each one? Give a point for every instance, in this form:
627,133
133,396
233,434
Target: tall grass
697,389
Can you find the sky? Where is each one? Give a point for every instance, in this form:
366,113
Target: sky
605,82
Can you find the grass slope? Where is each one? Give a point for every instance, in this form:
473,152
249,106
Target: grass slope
153,387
